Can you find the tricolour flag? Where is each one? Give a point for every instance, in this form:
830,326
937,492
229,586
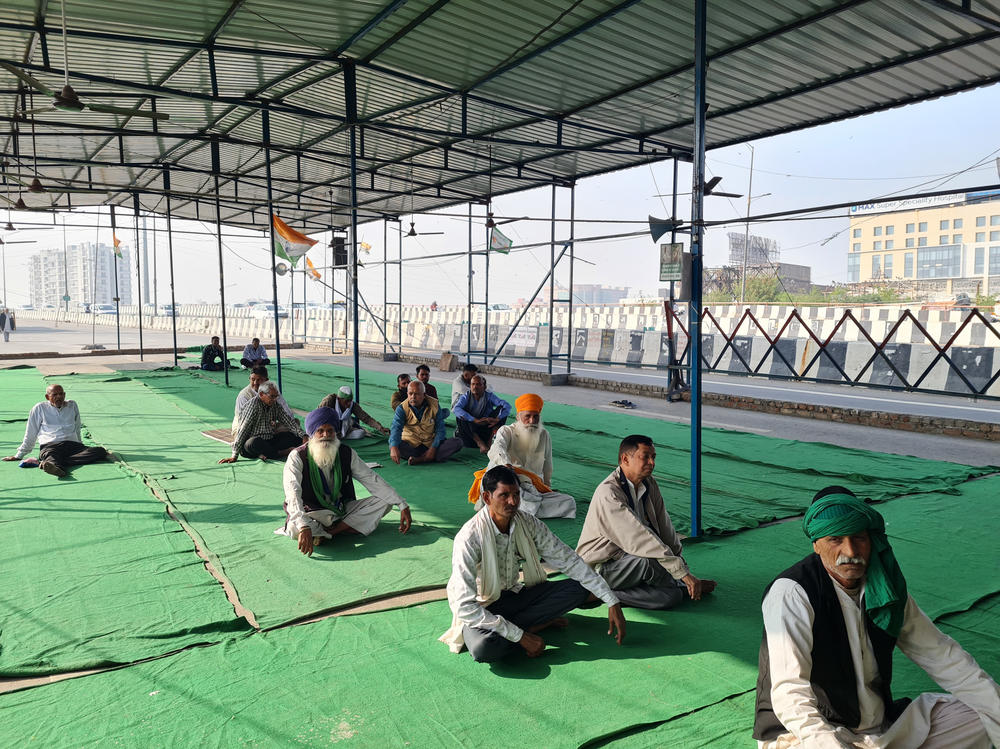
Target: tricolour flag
288,243
312,269
118,249
500,242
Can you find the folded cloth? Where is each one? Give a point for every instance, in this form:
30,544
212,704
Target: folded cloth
475,490
28,463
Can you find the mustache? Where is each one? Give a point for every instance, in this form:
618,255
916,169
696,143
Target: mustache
844,559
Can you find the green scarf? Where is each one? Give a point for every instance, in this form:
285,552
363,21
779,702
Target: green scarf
329,495
885,586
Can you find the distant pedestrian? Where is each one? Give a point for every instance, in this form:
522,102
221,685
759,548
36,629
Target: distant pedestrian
6,325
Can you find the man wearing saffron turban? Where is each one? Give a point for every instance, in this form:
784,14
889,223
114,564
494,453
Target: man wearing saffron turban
831,623
321,501
526,447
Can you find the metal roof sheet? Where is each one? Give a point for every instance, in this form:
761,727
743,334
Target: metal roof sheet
448,92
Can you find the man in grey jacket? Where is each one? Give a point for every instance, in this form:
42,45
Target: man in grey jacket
629,539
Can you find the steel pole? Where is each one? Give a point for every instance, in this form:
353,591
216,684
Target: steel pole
170,255
568,339
351,101
552,274
697,237
746,234
114,256
265,120
138,267
222,281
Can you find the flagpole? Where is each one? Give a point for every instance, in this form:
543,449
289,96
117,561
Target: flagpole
265,121
114,254
138,267
222,275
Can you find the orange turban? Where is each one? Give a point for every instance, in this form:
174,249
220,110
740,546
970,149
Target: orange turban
529,402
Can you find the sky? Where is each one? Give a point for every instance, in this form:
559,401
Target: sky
947,143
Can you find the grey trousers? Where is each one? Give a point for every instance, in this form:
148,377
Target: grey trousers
527,608
68,454
642,583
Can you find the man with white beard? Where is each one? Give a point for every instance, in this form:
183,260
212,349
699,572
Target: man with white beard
526,447
320,501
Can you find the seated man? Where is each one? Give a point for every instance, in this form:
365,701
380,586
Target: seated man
424,375
526,447
319,488
258,434
213,358
629,537
402,383
463,381
417,432
831,624
258,375
479,414
254,355
494,613
55,424
349,414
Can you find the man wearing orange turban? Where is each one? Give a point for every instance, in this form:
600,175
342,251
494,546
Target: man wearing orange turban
526,446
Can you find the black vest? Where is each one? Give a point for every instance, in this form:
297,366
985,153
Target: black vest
832,676
309,499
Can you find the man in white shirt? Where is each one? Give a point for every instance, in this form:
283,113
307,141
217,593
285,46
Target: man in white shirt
320,500
254,355
495,613
526,446
831,623
55,425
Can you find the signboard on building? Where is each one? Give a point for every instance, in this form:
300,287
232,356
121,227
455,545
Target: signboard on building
671,261
890,206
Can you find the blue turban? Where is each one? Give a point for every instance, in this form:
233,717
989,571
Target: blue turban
319,417
885,586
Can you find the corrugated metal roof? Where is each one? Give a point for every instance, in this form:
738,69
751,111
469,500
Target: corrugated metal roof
448,92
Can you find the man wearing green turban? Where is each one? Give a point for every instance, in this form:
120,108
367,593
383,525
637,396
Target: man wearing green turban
831,623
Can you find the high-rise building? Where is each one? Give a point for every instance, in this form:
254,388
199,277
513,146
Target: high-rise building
951,241
55,273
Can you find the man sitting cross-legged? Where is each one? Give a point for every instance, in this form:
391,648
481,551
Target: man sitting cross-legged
55,424
417,432
526,446
258,435
494,612
478,415
831,624
319,491
258,376
350,414
629,537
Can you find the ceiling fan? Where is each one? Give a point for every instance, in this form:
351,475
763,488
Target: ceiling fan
414,233
67,99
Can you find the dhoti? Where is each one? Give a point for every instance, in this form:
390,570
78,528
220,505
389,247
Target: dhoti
541,504
363,515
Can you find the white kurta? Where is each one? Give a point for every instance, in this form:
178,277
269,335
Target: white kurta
504,450
362,515
788,620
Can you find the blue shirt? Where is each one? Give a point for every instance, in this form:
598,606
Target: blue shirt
468,408
399,421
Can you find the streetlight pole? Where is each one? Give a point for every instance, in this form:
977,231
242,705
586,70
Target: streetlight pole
746,234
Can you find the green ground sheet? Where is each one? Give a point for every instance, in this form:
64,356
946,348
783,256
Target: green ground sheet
233,510
382,679
94,572
776,477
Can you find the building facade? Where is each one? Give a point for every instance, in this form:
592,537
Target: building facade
54,274
949,242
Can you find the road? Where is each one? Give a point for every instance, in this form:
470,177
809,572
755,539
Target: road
34,336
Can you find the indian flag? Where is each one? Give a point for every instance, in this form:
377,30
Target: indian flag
118,248
312,269
288,243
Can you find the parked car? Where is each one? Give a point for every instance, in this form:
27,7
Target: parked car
104,309
266,311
